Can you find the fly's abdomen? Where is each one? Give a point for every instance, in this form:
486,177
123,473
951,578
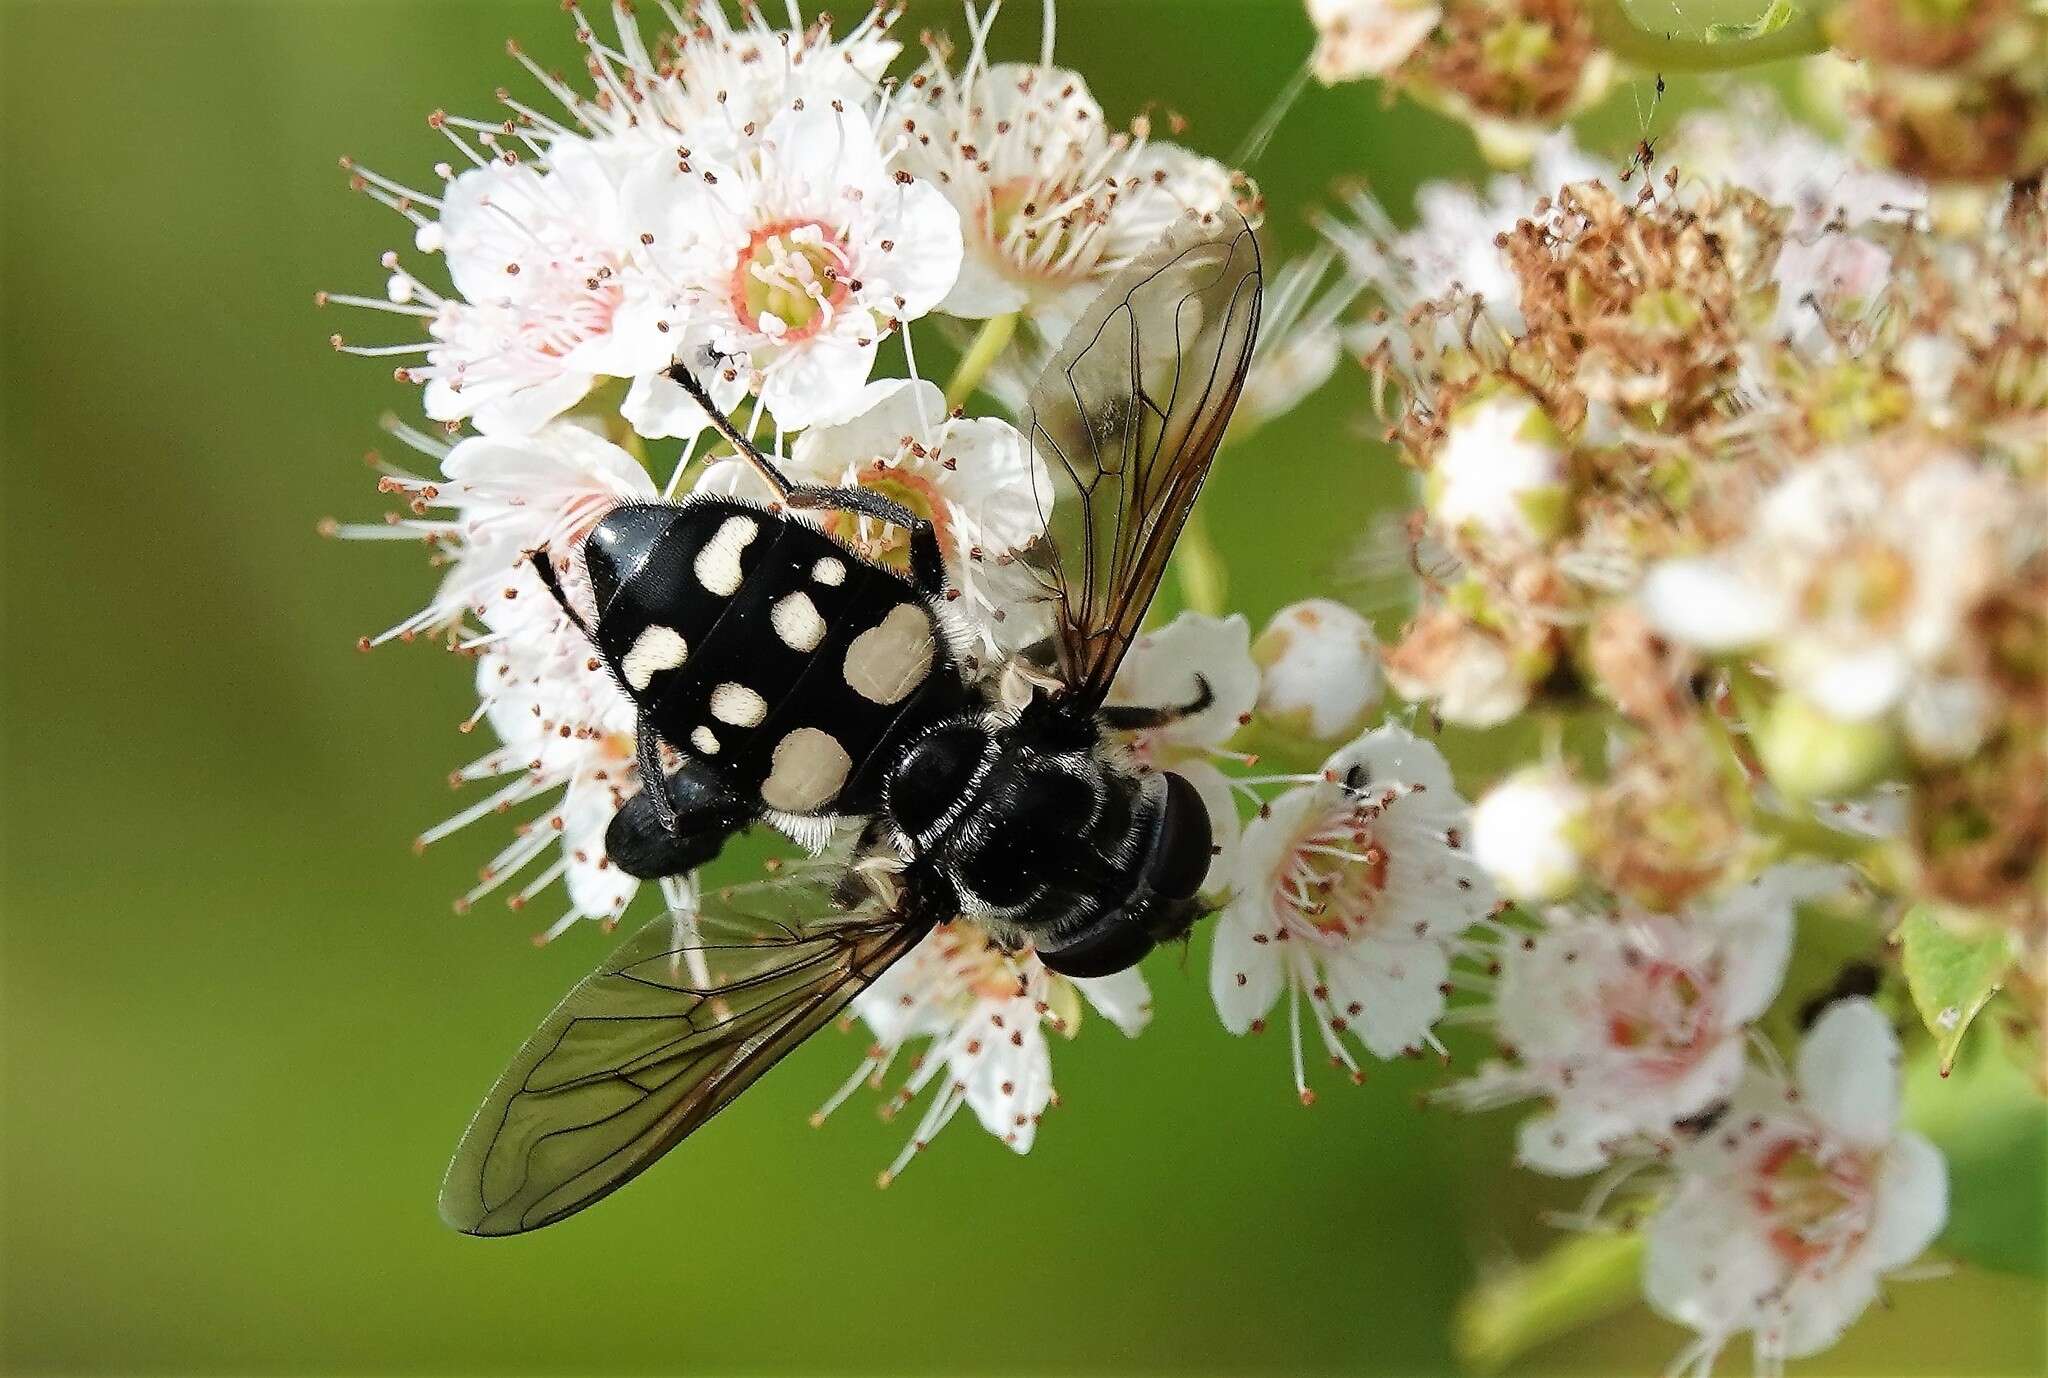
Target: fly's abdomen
765,649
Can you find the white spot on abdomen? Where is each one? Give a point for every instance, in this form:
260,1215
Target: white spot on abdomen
796,621
830,572
657,648
705,740
737,705
807,770
887,661
718,563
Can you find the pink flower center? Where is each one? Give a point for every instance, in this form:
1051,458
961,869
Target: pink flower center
586,317
1660,1012
790,278
1336,872
1815,1199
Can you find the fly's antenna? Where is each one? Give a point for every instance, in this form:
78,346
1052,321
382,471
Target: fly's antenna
720,422
544,565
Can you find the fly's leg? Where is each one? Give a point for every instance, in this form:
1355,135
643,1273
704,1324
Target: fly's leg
544,565
647,755
1126,717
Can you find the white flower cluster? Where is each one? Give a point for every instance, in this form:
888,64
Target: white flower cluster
767,207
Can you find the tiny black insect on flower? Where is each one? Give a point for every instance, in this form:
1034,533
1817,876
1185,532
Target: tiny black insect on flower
801,684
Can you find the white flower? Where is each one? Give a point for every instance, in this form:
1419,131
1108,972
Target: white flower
1351,891
982,486
564,725
1829,193
1789,1213
1160,671
1857,577
547,295
985,1013
786,266
1525,834
1629,1023
1319,670
1366,38
713,83
1468,676
1051,201
562,722
1500,477
506,495
1946,718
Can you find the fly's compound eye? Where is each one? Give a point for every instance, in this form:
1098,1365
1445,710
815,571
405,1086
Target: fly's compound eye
1180,849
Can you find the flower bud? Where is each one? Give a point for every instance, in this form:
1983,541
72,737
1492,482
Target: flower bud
1468,674
1366,38
1528,833
1319,670
1811,755
1501,475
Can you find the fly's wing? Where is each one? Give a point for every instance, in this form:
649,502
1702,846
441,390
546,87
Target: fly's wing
661,1037
1126,418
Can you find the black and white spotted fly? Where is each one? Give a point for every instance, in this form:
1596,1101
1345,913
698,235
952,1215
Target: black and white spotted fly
800,684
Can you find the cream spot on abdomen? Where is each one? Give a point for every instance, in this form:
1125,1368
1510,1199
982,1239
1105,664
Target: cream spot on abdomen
806,772
830,572
657,648
737,705
718,563
887,661
705,740
795,619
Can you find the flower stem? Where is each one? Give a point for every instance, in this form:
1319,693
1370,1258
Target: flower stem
1581,1280
988,343
1617,31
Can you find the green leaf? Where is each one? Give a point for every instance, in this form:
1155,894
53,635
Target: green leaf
1952,977
1992,1126
1585,1278
1771,20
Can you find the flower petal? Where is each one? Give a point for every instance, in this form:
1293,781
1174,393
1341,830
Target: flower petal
1848,1072
1244,974
1123,999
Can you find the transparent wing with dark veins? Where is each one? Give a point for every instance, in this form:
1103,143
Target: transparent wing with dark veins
1127,417
661,1037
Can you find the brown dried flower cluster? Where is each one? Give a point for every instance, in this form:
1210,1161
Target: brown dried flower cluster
1767,483
1952,93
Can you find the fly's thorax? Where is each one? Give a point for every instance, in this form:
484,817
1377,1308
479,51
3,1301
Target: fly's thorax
1044,832
938,779
1036,827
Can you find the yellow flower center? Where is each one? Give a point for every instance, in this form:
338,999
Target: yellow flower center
793,271
1870,584
883,541
1015,222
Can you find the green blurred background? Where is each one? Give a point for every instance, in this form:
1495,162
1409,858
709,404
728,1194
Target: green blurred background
242,1030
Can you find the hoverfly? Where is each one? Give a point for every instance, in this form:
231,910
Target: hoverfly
800,683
